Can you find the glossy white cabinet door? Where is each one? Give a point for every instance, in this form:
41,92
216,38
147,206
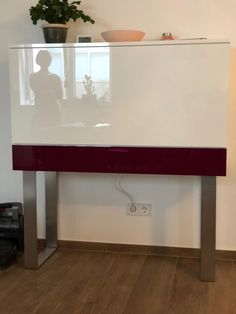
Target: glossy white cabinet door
142,94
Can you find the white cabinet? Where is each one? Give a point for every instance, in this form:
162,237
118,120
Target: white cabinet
171,94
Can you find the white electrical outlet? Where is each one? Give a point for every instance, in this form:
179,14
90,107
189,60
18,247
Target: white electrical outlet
139,209
145,209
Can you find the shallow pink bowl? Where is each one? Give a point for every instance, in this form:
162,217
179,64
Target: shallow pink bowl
122,35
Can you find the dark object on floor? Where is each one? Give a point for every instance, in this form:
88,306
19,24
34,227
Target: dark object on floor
11,232
11,223
8,253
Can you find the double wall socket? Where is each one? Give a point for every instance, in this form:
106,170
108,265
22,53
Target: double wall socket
139,209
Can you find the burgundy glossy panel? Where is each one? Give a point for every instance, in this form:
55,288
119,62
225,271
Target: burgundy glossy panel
142,160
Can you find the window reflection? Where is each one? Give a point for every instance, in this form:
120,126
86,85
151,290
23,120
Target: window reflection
84,73
92,74
25,69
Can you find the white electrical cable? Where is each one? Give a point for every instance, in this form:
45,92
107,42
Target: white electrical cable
119,188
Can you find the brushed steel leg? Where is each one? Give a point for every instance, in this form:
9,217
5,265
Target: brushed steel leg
208,228
51,209
33,259
30,220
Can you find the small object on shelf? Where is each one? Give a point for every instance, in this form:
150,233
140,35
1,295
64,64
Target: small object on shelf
193,38
122,35
84,39
167,36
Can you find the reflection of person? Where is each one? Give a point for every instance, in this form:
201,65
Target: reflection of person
47,88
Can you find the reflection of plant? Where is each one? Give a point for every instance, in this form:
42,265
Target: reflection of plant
106,92
88,85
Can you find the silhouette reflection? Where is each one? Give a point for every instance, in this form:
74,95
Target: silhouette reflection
47,88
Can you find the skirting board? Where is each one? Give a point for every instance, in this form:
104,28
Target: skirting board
136,249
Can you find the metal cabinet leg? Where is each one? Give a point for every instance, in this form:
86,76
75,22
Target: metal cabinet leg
51,209
30,220
208,228
32,259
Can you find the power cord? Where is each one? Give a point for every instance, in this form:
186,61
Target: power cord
118,186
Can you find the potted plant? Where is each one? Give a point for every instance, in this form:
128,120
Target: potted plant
57,13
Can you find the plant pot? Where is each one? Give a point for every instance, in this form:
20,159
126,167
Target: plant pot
55,33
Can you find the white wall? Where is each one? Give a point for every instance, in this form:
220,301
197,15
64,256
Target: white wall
90,208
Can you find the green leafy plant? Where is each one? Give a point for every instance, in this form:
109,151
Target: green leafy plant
58,11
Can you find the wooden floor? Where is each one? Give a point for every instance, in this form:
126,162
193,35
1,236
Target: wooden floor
112,283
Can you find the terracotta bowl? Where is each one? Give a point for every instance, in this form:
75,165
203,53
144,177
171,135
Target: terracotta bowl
122,35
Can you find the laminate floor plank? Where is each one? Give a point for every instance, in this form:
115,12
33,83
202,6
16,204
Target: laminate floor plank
222,293
190,295
30,287
109,292
21,289
152,290
70,295
76,282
